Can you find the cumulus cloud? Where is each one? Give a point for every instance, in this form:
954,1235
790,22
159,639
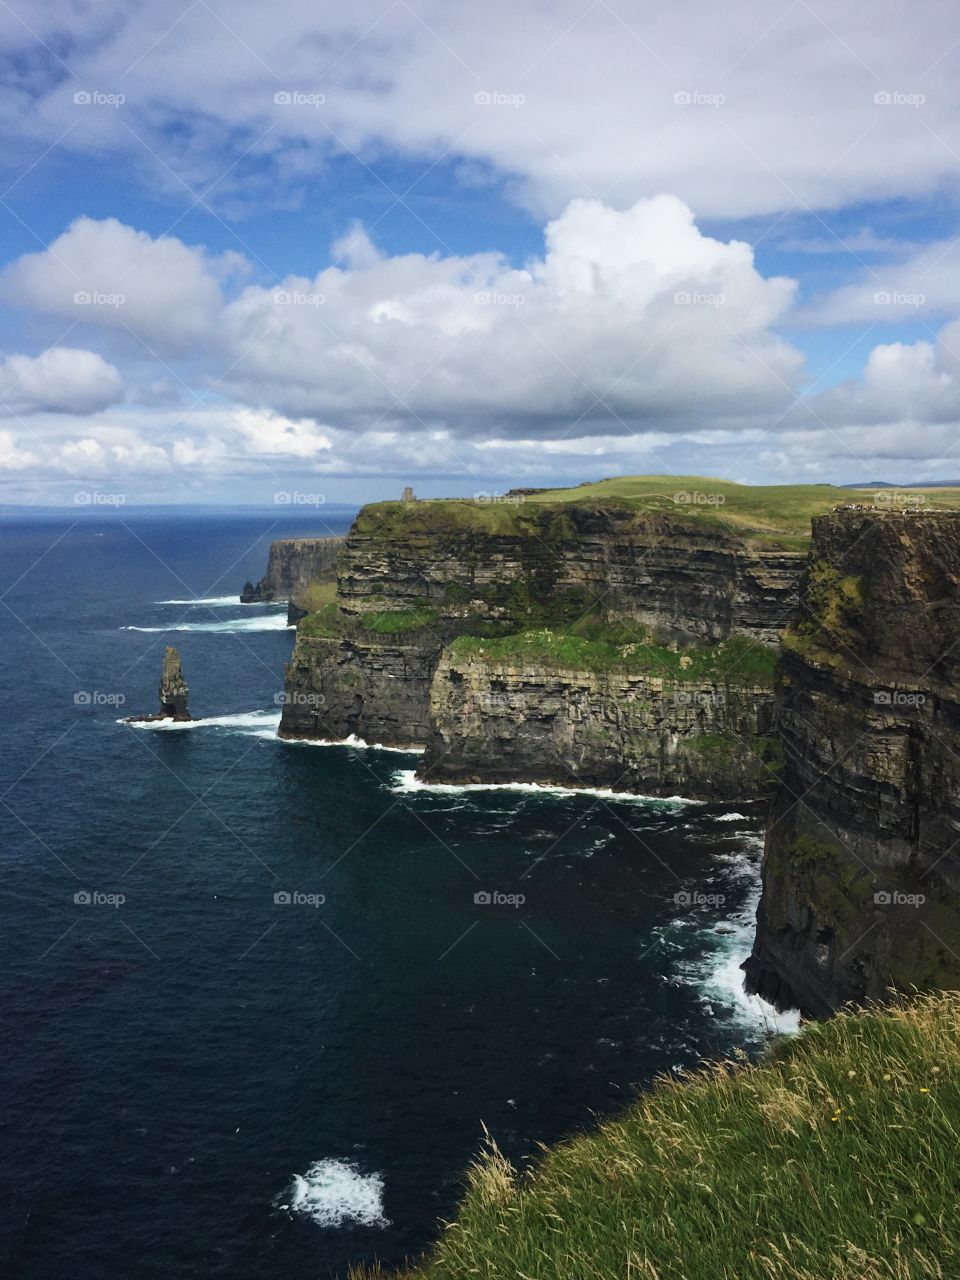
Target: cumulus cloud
107,274
630,316
61,379
759,112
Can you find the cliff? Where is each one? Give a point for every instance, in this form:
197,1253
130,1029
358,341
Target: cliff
292,565
861,867
626,591
685,576
521,718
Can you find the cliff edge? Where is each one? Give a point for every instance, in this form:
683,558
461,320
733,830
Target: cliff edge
861,867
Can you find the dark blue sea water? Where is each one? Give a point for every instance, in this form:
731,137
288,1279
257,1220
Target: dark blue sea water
203,1081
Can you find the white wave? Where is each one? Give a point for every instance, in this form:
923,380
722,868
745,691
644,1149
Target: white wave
352,741
717,973
264,622
405,780
263,723
212,601
333,1192
731,817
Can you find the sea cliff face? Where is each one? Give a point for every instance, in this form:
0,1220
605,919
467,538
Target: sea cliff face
415,580
862,862
292,565
492,721
683,577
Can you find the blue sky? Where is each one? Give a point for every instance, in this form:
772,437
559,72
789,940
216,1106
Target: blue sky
250,253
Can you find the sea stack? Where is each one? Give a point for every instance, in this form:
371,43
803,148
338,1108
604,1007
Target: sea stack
173,687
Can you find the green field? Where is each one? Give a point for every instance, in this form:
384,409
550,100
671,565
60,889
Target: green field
596,648
769,512
835,1159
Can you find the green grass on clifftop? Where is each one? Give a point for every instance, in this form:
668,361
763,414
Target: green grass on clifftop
736,661
836,1159
775,514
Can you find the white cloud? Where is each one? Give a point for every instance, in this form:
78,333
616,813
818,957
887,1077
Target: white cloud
737,109
631,316
107,274
13,457
60,380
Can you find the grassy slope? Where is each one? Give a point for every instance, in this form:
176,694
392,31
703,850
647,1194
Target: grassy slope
735,661
779,514
836,1159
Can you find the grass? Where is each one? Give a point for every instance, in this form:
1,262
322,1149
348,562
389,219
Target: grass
777,516
835,1159
397,621
317,595
735,661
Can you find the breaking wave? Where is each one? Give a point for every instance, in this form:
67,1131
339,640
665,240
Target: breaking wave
263,724
263,622
405,780
212,601
333,1192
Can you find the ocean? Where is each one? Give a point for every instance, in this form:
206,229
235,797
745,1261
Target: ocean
260,999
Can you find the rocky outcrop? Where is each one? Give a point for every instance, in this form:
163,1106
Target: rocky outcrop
292,565
861,874
173,691
173,687
492,721
413,577
337,688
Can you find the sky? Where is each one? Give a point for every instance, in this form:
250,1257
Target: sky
309,253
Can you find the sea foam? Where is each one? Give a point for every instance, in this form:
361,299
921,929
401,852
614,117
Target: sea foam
261,622
263,724
405,780
333,1192
212,601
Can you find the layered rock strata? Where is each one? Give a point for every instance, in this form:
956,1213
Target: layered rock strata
293,564
861,873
